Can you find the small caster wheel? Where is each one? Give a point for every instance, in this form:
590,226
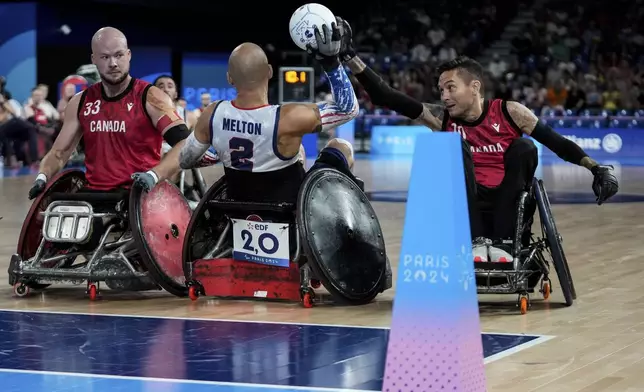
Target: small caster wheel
20,289
523,305
546,289
193,293
315,283
93,292
307,300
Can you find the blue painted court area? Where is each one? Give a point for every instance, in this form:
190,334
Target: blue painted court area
57,352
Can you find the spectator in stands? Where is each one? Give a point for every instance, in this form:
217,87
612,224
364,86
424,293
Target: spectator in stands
436,35
611,97
44,103
637,97
576,99
557,96
497,66
43,115
593,96
14,133
39,111
15,107
205,101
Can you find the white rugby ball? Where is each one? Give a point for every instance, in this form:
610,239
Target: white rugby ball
304,20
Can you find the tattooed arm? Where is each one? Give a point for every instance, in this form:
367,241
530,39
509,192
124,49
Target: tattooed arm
433,116
524,120
382,94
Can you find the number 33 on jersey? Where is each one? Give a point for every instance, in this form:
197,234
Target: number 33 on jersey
261,242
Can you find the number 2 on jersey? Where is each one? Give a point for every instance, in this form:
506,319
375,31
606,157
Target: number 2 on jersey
241,153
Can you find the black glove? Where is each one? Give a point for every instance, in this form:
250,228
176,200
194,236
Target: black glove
347,50
37,188
605,183
328,46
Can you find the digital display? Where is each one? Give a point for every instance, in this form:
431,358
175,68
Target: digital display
297,84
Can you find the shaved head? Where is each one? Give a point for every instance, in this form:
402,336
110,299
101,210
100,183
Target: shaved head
111,55
248,67
107,35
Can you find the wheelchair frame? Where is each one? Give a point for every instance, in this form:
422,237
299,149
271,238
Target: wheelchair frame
199,183
530,266
111,261
197,284
215,269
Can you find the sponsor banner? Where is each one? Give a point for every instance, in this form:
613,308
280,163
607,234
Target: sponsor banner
603,143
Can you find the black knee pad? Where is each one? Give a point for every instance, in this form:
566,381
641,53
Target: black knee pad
335,159
523,144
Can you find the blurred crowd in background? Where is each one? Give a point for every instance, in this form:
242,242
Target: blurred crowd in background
564,56
569,55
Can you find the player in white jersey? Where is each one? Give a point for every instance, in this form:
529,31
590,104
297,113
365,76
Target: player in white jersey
259,143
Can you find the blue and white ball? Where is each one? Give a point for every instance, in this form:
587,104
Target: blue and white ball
304,20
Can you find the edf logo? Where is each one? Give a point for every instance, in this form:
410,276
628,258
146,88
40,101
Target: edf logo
257,226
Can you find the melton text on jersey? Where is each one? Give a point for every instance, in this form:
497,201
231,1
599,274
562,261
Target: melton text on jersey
249,128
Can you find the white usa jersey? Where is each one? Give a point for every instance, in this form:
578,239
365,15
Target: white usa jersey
246,139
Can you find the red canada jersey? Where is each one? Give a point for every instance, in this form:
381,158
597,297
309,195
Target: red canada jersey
488,137
120,138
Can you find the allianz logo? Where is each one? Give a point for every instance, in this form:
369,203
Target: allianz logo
611,143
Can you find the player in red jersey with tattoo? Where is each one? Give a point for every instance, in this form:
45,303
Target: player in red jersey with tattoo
498,161
123,122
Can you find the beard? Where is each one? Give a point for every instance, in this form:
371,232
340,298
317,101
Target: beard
109,79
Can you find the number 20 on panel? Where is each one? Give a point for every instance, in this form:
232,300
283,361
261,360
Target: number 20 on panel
262,241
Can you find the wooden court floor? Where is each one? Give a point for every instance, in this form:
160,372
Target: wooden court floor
596,345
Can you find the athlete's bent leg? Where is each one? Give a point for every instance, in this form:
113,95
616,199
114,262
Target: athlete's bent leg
480,242
520,160
338,154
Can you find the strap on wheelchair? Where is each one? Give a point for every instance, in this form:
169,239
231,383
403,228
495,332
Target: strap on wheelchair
98,197
231,205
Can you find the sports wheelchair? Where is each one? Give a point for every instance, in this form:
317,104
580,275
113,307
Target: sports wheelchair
283,251
120,238
531,266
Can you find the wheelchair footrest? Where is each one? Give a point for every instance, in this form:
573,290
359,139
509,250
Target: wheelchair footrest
241,279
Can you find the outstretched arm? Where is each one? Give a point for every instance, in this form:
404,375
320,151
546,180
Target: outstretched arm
382,94
526,121
298,119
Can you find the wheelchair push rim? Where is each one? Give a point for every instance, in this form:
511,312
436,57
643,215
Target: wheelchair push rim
554,244
139,234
